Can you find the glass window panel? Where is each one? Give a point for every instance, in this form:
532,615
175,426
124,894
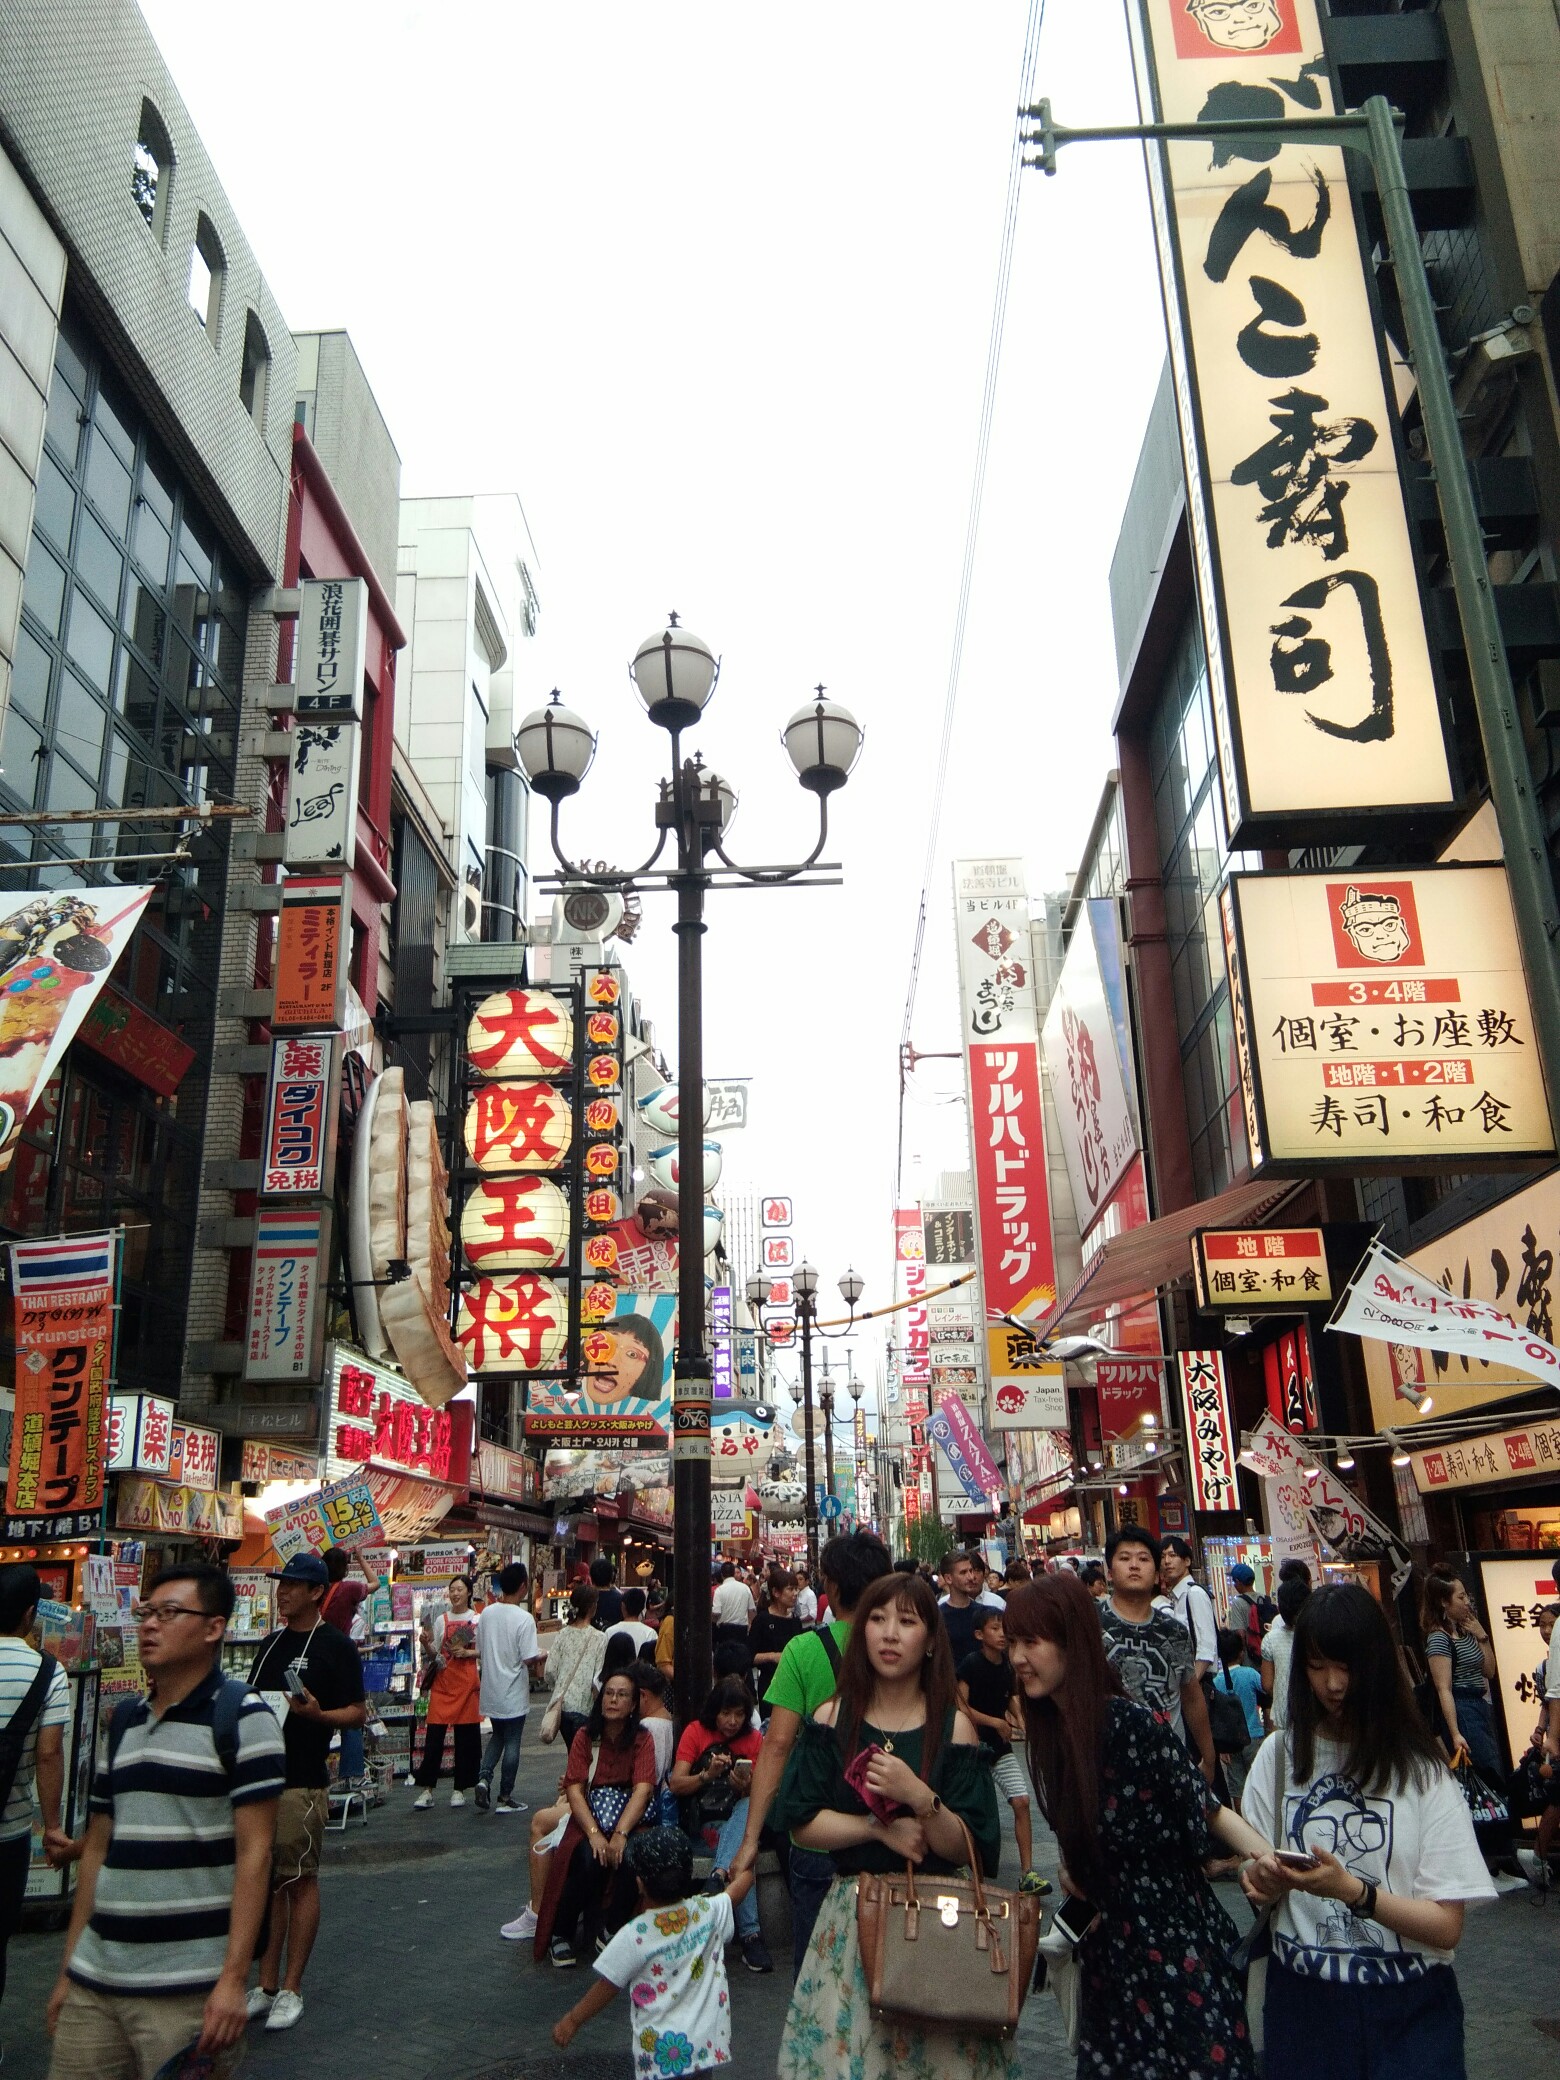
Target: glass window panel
70,355
146,620
108,482
91,642
137,696
30,676
45,593
230,656
195,550
21,746
115,419
56,502
68,789
152,544
157,482
114,782
80,723
64,420
98,561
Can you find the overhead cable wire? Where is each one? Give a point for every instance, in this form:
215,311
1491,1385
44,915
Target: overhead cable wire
1028,68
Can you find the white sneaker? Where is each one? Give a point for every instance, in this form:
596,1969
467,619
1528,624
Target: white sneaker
286,2009
457,1798
1531,1865
422,1801
522,1930
410,1781
260,2002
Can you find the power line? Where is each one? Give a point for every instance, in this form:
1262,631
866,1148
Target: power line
1027,71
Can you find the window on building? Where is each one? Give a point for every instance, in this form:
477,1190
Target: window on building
151,172
254,373
208,269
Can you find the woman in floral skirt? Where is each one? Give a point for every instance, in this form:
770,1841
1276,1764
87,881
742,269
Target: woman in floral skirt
897,1700
1159,1999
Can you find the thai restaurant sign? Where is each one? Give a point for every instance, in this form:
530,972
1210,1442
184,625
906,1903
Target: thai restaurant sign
1099,1138
63,1300
1249,1269
1504,1257
287,1308
1007,1122
1324,700
311,953
1382,1021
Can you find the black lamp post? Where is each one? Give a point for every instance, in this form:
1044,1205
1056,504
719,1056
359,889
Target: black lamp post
675,675
851,1290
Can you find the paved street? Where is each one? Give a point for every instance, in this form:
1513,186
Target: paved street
411,1980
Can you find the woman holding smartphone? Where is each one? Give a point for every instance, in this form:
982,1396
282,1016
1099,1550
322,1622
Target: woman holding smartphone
895,1715
1360,1981
1159,1999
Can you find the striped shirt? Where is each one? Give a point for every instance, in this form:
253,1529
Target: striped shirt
164,1895
18,1667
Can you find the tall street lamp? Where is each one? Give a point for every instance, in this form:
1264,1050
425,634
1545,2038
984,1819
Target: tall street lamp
805,1283
675,674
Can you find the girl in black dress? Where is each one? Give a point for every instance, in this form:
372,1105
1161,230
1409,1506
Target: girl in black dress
1158,1997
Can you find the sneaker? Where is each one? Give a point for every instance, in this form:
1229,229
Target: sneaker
1532,1867
260,2002
755,1956
410,1781
512,1805
561,1954
422,1801
522,1929
484,1796
286,2009
1504,1881
1032,1882
458,1798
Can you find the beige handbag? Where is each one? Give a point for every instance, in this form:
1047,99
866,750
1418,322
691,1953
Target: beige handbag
946,1953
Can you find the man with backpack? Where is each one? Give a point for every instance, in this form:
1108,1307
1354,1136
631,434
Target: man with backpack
177,1864
804,1678
34,1706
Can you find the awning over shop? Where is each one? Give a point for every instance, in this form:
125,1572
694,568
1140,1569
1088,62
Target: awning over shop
1143,1259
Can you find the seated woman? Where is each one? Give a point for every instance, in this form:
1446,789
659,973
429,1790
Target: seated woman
896,1700
655,1716
608,1784
714,1765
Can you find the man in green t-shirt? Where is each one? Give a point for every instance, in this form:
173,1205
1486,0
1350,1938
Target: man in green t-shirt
805,1678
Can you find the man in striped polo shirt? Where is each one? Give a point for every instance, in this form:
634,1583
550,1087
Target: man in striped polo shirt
177,1864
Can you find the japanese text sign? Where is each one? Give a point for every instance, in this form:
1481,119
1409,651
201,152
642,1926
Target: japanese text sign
1249,1269
287,1293
1210,1442
343,1514
1028,1390
63,1296
1473,1462
915,1368
1514,1594
311,954
1129,1390
141,1430
332,644
1505,1256
298,1153
1007,1121
375,1417
1388,1300
1088,1088
964,1449
1324,698
1337,1517
1382,1021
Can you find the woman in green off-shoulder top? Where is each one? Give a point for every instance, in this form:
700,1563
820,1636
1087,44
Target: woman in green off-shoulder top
897,1700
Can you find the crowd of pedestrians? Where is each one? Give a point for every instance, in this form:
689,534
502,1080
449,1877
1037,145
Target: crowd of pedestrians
1284,1748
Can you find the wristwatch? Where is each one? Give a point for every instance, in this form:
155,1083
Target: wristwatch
934,1807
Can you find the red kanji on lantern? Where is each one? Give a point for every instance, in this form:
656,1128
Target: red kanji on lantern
516,1022
601,1029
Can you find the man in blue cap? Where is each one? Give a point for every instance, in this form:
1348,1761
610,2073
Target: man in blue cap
1245,1617
310,1675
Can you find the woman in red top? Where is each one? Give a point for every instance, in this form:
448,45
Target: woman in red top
715,1759
608,1783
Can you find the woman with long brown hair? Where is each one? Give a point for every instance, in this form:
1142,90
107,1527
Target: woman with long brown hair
1461,1661
896,1705
1159,1999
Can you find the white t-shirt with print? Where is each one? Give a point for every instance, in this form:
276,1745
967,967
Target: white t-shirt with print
1417,1842
1277,1646
672,1960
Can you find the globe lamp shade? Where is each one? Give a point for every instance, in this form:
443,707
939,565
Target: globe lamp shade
823,742
555,747
675,674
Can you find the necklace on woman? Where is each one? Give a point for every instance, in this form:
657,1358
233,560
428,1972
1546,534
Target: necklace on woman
891,1732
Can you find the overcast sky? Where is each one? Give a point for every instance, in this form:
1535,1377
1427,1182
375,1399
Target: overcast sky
710,287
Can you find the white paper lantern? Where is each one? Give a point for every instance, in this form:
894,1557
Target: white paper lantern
518,1126
514,1324
521,1032
515,1224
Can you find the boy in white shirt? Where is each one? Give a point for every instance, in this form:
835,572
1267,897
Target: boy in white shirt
672,1958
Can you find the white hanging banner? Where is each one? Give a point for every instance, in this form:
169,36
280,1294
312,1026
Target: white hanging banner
1334,1512
1388,1300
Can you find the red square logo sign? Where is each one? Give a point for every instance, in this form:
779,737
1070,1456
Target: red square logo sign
1375,924
1234,28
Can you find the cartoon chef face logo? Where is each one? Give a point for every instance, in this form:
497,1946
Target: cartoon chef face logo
1238,25
1374,925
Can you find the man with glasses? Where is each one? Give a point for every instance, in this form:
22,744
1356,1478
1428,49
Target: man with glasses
177,1863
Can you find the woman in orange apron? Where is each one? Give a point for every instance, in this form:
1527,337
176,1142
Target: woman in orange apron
453,1698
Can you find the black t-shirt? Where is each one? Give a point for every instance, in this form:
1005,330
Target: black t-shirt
771,1634
609,1608
960,1627
991,1685
331,1671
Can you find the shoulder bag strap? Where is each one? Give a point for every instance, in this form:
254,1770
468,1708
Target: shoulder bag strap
831,1646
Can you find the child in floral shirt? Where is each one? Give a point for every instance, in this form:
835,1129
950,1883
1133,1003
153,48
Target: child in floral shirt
671,1957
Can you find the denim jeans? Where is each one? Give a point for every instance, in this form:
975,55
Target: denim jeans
811,1877
726,1847
504,1739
